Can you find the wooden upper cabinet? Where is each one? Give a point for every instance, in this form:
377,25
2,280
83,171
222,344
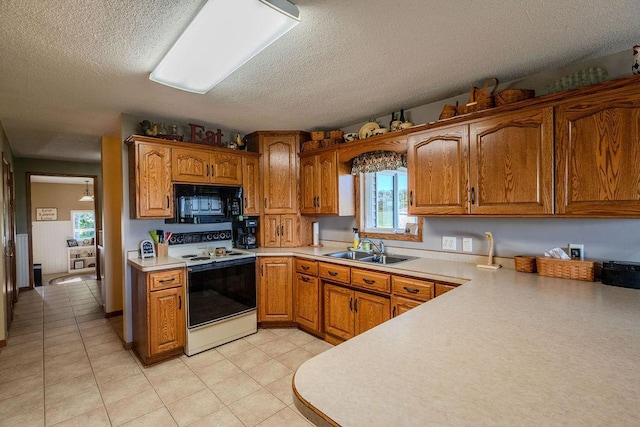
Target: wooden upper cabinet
598,155
150,190
280,180
511,164
199,166
438,171
326,186
251,185
188,165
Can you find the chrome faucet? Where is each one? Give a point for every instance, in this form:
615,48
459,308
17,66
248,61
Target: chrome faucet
379,247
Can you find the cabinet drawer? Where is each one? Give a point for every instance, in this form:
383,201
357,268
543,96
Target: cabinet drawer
306,266
334,273
166,279
371,280
413,288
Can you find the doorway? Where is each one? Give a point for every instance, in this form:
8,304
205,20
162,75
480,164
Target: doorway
8,237
62,223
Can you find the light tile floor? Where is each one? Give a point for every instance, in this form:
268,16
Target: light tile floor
64,365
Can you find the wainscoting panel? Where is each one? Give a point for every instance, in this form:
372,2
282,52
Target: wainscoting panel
22,260
50,245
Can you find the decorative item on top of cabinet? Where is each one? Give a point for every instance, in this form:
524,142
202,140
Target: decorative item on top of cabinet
501,165
275,290
150,189
326,186
159,326
597,154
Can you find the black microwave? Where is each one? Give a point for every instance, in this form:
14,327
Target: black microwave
205,204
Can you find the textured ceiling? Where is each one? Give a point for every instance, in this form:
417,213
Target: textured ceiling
69,68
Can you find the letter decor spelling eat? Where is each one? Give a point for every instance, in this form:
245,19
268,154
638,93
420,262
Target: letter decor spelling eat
198,135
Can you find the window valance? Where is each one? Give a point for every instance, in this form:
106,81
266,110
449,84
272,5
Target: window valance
377,161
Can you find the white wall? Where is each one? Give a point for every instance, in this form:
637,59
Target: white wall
604,239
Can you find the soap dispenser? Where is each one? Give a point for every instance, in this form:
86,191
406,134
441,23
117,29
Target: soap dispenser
356,239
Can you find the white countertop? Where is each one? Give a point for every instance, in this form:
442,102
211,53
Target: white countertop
507,348
155,264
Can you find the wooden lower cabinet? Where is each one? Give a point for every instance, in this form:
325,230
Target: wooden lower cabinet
307,301
401,305
441,288
348,313
159,324
275,289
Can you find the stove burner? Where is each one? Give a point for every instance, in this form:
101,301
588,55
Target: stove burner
200,258
189,256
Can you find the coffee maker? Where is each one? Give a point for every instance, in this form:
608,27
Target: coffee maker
245,233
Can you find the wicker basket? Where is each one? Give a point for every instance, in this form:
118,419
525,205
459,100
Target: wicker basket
335,134
448,111
329,142
566,268
317,135
310,145
524,263
480,98
509,96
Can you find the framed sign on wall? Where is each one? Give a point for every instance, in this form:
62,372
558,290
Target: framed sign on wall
46,214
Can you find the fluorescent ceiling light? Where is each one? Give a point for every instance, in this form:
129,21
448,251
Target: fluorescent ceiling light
224,35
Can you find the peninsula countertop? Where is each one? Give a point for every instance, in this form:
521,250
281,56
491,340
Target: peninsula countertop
506,348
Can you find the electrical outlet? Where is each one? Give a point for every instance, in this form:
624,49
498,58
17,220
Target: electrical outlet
449,243
467,244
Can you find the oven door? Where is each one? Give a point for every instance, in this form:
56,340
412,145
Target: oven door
220,290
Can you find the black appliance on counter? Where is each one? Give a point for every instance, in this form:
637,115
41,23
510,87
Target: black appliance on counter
206,204
245,233
624,274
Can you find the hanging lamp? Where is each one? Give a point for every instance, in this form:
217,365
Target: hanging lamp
86,197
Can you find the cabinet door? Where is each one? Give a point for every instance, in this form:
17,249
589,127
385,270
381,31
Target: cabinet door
280,174
370,311
338,311
401,305
270,227
438,171
226,169
251,185
166,320
597,156
327,183
275,291
154,195
190,166
511,164
308,185
288,231
441,288
307,301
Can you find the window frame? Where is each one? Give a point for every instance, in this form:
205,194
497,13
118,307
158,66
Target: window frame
74,212
360,221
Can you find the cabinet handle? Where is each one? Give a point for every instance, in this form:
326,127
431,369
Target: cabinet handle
355,305
315,202
167,202
262,270
207,170
245,202
369,281
212,170
332,273
393,313
167,280
179,302
473,195
411,197
412,290
305,267
265,202
282,230
305,278
351,304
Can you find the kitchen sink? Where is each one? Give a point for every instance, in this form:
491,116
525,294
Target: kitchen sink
385,259
349,255
367,257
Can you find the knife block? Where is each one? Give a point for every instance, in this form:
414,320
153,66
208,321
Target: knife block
162,250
